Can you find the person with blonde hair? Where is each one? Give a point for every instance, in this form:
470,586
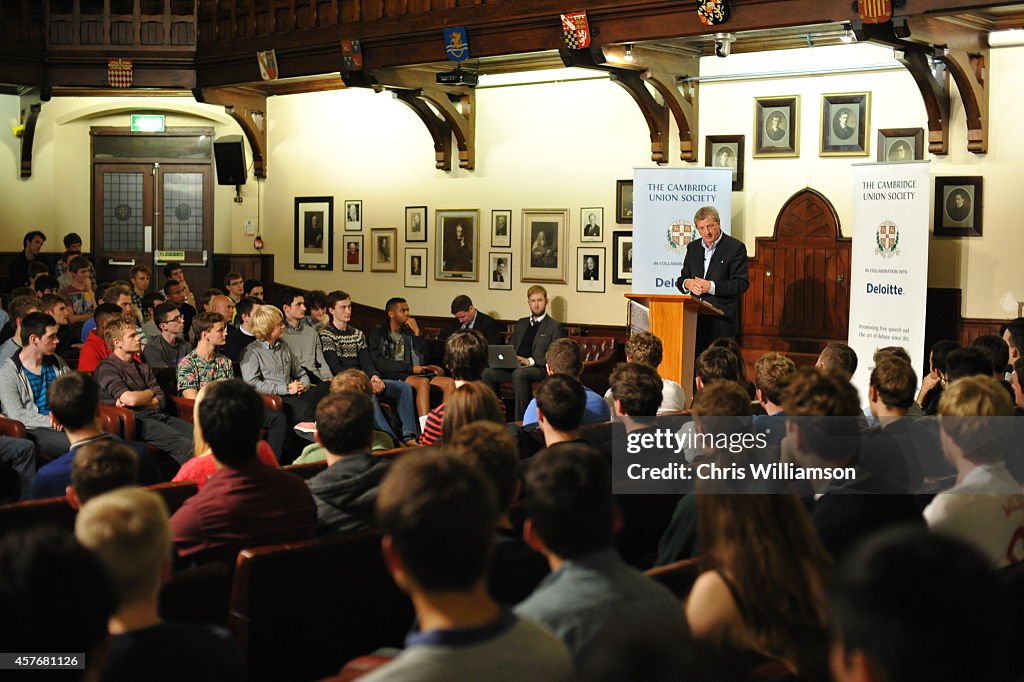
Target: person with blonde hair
128,530
986,506
471,402
203,465
269,366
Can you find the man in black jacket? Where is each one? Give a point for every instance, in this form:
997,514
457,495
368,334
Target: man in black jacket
468,317
715,271
531,339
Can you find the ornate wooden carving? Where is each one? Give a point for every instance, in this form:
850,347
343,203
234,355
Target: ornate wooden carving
799,295
31,100
249,109
445,111
932,51
663,74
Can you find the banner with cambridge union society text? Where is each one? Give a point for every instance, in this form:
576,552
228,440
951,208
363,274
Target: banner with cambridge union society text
664,202
889,264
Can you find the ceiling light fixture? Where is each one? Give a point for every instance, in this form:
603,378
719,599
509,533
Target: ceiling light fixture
628,57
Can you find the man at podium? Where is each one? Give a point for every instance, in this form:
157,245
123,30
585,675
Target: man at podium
715,271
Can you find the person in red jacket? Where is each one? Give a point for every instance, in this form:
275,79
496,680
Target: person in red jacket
95,347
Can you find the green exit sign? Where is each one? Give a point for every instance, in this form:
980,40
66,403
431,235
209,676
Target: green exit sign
170,255
147,123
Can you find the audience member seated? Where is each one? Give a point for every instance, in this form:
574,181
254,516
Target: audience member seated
127,382
18,267
564,356
139,278
515,569
20,455
906,605
169,347
473,401
55,597
303,339
204,465
117,294
269,366
913,441
531,338
465,356
25,379
20,307
75,406
344,348
95,348
967,362
647,349
68,344
772,373
205,363
129,531
149,304
100,467
468,317
240,333
46,285
592,600
999,353
399,352
346,490
763,588
438,516
79,291
1017,383
935,381
838,357
826,438
348,380
560,403
246,502
177,293
730,344
316,309
986,506
254,288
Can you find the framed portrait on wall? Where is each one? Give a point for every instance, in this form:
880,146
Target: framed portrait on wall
845,122
499,264
457,244
416,267
545,244
314,233
590,267
592,224
900,144
624,201
958,206
501,228
726,151
353,215
415,223
777,126
352,249
622,258
384,249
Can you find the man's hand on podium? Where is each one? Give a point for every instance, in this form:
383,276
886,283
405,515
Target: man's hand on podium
698,286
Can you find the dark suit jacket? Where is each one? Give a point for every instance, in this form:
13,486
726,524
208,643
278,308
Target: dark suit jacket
728,270
485,324
550,329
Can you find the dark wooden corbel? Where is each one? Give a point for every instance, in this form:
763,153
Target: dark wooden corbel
445,111
932,50
249,109
664,73
31,104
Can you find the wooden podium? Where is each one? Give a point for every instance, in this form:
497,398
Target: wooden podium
673,319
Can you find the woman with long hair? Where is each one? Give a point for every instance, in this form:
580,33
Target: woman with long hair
471,402
763,587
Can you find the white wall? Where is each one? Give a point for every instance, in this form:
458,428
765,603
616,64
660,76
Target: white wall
554,145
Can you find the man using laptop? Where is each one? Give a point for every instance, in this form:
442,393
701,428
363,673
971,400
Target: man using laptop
529,342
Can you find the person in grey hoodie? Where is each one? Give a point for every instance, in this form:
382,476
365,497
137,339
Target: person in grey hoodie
25,377
346,490
269,366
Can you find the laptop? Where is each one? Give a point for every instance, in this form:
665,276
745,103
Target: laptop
502,357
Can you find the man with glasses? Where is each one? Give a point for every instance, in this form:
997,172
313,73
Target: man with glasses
169,348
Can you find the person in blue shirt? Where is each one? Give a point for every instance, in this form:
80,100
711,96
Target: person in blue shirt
564,356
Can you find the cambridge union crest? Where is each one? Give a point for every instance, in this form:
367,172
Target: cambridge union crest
679,236
887,240
713,12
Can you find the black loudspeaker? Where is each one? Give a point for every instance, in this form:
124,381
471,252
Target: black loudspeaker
229,154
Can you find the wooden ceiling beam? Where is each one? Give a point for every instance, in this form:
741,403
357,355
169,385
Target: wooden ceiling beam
248,106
